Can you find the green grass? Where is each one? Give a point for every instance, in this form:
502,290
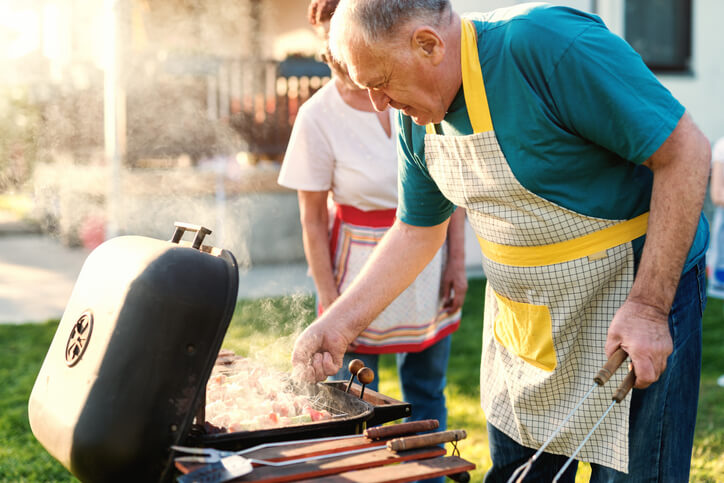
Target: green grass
22,458
267,327
708,458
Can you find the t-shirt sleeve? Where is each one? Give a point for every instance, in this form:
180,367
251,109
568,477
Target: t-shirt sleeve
718,151
617,102
309,160
420,202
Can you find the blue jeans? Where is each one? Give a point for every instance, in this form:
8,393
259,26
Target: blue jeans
662,417
422,380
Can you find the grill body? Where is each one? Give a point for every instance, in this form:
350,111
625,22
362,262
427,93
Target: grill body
125,375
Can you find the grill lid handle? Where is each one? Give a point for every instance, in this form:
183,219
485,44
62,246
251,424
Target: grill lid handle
181,228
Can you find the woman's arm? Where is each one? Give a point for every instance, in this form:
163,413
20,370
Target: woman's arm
315,235
454,279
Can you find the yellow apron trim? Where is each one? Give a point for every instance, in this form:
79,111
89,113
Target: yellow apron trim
473,86
592,245
476,99
527,331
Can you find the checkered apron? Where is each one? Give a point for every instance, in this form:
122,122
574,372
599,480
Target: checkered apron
415,320
555,279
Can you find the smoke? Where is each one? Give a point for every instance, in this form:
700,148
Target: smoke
20,127
265,329
195,133
196,101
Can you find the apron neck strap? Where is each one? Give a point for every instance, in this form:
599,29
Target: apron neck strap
476,100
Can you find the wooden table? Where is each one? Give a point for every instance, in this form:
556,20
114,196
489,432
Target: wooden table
377,465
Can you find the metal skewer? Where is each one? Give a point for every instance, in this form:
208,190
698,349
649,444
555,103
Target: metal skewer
618,396
601,378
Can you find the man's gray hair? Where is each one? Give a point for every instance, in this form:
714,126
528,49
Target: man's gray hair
376,20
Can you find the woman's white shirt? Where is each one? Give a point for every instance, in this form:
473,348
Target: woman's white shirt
336,147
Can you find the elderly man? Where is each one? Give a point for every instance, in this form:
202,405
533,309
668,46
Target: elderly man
584,180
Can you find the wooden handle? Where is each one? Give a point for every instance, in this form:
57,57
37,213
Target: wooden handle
625,387
354,366
422,440
380,432
613,363
366,375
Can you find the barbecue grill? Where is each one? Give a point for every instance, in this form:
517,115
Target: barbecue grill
125,376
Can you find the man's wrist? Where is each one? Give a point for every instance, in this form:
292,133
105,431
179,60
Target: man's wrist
649,308
655,285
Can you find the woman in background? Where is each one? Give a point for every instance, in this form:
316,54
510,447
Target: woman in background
715,257
343,152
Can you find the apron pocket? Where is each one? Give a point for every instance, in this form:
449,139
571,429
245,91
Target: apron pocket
526,330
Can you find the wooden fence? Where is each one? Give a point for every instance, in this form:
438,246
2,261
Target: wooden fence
260,102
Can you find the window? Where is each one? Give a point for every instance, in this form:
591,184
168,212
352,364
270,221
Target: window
660,30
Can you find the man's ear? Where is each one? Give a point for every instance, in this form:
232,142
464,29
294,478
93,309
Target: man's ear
427,43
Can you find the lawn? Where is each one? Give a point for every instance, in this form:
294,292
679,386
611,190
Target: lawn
268,326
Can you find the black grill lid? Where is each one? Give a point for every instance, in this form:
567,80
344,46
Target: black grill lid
130,358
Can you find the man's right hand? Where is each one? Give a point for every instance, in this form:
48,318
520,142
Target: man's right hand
318,352
402,254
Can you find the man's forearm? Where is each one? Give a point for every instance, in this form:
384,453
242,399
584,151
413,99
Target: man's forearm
681,168
640,327
402,254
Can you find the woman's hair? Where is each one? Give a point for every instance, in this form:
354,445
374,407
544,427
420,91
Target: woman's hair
321,11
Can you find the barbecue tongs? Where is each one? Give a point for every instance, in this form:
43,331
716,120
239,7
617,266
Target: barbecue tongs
603,375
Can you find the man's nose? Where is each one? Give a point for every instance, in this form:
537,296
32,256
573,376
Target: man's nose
379,99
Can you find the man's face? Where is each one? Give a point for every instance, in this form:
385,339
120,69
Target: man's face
394,76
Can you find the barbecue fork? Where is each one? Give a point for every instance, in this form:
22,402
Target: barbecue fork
601,378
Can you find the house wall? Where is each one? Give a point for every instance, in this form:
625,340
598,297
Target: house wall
290,31
702,92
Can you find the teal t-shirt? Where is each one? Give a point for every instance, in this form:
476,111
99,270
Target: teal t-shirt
575,110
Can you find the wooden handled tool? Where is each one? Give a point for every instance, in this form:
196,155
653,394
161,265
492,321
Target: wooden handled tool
422,440
601,378
623,389
354,366
380,432
626,385
365,376
613,363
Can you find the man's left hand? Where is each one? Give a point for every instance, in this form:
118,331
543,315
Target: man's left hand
643,332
